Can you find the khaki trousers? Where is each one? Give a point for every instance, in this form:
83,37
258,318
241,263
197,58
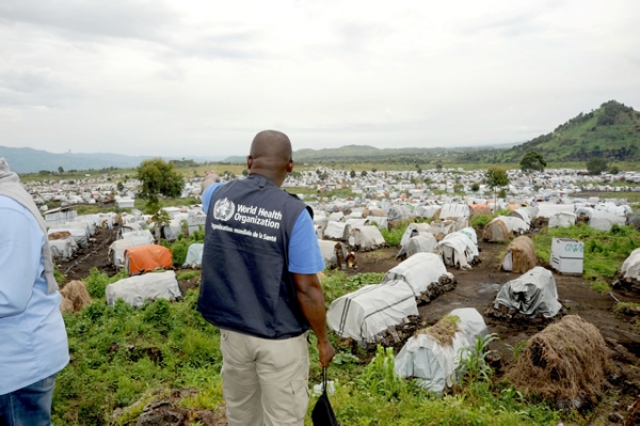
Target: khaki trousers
264,382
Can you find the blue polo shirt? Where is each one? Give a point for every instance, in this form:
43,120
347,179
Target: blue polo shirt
33,339
304,251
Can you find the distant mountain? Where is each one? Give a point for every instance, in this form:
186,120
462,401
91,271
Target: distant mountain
366,152
611,132
28,160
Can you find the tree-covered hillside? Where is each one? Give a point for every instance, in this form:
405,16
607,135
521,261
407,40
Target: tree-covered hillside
611,132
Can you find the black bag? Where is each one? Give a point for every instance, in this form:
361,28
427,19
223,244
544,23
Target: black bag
322,414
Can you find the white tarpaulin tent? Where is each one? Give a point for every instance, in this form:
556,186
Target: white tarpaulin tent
64,248
562,220
426,211
172,229
194,256
418,244
366,238
521,214
604,221
530,294
455,211
414,229
117,248
399,213
457,249
631,266
547,210
419,271
434,365
79,232
136,290
365,313
337,231
514,224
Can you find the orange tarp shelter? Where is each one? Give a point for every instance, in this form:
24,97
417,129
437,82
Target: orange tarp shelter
147,258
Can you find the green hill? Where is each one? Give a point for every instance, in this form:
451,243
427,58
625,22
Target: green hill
611,131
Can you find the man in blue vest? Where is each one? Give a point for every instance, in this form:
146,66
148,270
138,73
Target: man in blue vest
260,287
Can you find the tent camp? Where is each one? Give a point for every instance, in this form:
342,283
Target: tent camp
420,271
419,244
136,290
458,250
194,256
520,256
432,356
366,238
147,258
365,313
531,294
631,266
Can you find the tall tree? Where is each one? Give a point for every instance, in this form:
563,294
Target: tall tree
496,177
533,161
596,165
158,178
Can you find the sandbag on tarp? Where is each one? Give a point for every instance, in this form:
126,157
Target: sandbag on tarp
117,248
136,290
562,220
458,250
520,256
631,266
419,271
418,244
366,238
414,229
400,213
337,231
531,294
365,313
79,233
432,356
194,256
604,222
147,258
63,249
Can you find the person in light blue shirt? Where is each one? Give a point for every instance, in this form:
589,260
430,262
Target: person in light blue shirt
33,339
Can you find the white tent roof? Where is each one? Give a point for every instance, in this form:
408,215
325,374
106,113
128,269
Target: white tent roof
366,238
532,293
117,248
604,221
363,314
194,256
562,220
419,271
415,229
631,265
434,365
136,290
418,244
457,248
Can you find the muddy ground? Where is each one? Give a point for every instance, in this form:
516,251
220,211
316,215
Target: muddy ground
477,288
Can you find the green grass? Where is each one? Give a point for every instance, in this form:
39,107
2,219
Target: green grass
604,252
123,358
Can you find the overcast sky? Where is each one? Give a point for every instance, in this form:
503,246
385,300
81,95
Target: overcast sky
201,77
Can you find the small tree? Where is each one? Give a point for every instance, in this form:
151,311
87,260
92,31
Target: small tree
352,173
158,178
475,186
60,169
496,177
363,173
596,165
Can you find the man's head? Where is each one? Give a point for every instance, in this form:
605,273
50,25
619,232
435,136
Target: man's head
271,156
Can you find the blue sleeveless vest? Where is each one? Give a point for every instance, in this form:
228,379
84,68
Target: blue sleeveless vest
246,286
